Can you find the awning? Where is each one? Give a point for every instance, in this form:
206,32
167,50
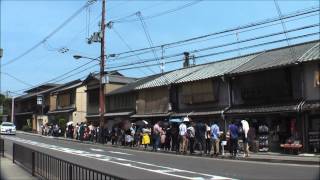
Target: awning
311,105
62,111
92,115
23,113
197,113
150,115
263,109
118,114
114,114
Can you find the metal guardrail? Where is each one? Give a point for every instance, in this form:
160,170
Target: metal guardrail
2,147
49,167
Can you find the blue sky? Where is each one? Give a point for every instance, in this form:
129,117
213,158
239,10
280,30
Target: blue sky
25,23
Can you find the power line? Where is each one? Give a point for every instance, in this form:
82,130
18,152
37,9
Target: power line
217,37
50,34
128,46
246,26
144,27
292,51
223,52
17,79
123,19
225,44
58,78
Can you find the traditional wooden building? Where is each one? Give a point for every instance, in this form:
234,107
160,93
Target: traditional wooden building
28,112
277,87
68,102
113,81
272,88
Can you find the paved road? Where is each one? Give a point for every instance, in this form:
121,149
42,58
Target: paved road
132,164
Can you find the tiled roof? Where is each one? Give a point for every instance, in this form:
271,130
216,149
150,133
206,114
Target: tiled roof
200,72
112,78
311,54
278,57
68,86
273,58
169,77
132,86
215,69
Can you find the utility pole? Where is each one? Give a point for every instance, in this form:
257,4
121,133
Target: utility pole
102,59
1,104
12,110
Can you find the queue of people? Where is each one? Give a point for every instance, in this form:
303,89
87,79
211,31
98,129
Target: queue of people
181,137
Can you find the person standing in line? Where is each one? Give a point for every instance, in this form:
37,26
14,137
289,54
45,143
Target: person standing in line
168,139
183,137
207,139
163,138
81,131
245,127
200,129
157,130
215,140
146,136
191,132
233,129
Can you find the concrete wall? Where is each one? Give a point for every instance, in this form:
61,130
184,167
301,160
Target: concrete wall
81,105
312,92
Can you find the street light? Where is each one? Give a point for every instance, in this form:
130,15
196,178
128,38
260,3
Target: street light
96,59
84,57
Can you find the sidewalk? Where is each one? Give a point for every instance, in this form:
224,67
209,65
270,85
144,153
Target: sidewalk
13,171
308,159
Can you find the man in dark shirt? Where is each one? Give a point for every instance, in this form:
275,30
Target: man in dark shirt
233,129
200,130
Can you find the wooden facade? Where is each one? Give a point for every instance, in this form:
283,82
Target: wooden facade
153,101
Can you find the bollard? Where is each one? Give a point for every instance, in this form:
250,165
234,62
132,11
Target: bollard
33,163
13,151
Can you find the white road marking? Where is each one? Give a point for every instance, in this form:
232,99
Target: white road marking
125,162
117,152
98,150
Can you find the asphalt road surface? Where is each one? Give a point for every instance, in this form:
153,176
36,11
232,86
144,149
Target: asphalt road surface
132,164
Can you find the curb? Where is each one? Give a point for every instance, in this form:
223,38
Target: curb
289,161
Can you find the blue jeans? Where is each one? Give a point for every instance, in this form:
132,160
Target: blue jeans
156,142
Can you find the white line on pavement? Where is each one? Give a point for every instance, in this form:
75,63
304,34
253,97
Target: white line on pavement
117,152
98,150
123,162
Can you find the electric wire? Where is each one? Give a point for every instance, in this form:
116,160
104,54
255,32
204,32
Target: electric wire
222,52
17,79
258,23
49,35
227,44
217,37
125,20
129,47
